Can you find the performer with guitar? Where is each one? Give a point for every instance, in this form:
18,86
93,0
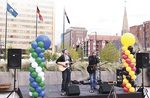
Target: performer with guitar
64,64
93,60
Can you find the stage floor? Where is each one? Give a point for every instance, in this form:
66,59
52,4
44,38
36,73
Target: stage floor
53,91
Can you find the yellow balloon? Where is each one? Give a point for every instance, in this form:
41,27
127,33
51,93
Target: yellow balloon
127,52
123,60
131,56
131,89
127,39
133,60
125,64
124,48
125,81
133,77
128,69
131,73
128,85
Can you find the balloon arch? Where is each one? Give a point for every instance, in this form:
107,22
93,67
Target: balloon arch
129,63
36,68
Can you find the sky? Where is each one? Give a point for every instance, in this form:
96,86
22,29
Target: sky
102,16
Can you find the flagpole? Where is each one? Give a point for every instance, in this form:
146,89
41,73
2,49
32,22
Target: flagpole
36,23
63,29
6,32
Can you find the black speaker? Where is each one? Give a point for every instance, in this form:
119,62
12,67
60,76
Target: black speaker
119,77
14,58
73,90
142,60
105,88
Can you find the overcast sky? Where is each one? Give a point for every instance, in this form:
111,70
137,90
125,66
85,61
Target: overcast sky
102,16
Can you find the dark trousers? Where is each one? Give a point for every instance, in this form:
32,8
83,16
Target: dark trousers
66,77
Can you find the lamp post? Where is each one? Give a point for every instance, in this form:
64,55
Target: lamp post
86,45
95,40
144,29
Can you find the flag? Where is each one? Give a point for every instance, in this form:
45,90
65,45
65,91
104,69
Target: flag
11,10
67,16
39,14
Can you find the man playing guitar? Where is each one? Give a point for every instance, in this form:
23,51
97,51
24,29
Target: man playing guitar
64,62
93,60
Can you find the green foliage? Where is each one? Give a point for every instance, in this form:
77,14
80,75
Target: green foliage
49,56
53,57
74,54
109,53
80,52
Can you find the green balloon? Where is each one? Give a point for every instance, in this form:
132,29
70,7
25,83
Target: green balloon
41,44
42,84
43,87
34,55
38,79
31,69
35,94
31,50
31,89
42,64
38,60
43,50
43,68
34,74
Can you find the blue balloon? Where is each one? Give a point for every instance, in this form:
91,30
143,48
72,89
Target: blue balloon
34,84
42,93
39,89
34,44
31,79
41,55
45,40
43,59
38,50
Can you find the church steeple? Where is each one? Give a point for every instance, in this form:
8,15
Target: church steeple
125,27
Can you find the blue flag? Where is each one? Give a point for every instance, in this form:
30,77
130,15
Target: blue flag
11,10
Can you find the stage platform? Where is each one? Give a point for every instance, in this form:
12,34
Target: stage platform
53,91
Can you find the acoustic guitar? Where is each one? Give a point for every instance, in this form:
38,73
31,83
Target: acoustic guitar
62,66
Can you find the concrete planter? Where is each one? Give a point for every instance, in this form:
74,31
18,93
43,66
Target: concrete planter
54,77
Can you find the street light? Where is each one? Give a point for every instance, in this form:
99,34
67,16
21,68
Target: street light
144,29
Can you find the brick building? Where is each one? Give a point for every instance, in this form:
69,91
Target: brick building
74,35
142,33
97,42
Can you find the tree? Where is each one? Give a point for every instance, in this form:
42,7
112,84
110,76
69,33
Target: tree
109,53
74,54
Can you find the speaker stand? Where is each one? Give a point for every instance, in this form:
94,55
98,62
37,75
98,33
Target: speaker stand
141,89
15,90
112,91
99,76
